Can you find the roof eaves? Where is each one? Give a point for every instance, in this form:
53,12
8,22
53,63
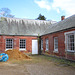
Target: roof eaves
59,31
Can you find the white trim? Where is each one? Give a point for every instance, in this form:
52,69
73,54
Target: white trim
65,43
34,46
66,46
22,49
12,44
8,49
55,50
46,44
41,44
69,32
70,50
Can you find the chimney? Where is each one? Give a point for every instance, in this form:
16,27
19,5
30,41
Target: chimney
62,17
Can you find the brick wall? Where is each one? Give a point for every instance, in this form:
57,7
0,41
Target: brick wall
61,44
16,42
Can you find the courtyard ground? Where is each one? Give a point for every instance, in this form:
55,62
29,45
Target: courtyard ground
38,65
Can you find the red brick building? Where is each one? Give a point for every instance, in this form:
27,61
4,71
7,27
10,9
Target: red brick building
56,38
21,34
59,39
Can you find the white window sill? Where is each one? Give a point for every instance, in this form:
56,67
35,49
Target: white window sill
8,49
70,51
42,49
22,49
46,50
55,51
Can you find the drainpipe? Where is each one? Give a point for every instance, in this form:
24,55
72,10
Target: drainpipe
39,45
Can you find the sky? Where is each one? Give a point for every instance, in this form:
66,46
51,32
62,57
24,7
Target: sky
30,9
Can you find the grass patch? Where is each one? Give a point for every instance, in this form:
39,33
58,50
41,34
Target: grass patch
60,61
42,59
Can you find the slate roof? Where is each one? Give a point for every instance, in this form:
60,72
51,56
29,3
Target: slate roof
61,25
16,26
25,27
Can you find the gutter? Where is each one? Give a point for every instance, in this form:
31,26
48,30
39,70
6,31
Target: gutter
59,31
19,35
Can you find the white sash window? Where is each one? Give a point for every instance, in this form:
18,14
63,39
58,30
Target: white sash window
47,44
70,41
22,44
9,44
56,44
41,44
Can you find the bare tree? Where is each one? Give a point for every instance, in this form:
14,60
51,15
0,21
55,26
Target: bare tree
5,12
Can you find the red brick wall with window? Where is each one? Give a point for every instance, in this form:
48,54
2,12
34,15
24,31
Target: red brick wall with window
61,44
16,42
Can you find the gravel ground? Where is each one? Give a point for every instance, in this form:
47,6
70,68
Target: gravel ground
49,69
35,68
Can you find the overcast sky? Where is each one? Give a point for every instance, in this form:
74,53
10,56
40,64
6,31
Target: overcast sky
30,9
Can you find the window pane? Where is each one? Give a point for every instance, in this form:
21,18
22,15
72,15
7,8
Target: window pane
9,43
55,43
22,43
41,44
70,42
46,44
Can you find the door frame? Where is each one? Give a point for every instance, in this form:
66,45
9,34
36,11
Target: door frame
37,46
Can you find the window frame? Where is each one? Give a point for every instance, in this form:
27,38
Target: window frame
41,44
66,40
19,45
11,44
55,50
47,47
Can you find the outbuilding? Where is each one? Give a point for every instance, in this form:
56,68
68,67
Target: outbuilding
21,34
57,38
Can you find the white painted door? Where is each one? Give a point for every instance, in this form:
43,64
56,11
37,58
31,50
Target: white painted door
34,46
